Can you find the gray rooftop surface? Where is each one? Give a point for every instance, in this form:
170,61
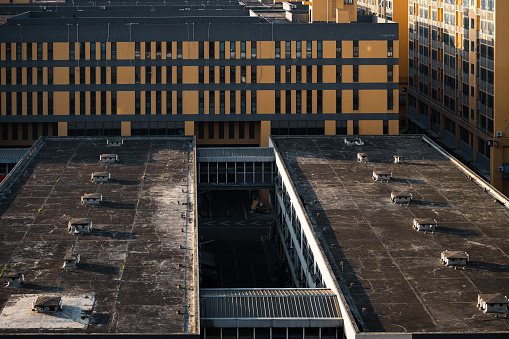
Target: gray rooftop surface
130,259
398,281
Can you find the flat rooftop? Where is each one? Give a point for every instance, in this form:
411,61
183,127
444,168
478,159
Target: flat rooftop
391,275
140,250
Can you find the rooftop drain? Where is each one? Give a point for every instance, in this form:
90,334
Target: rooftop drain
91,198
401,197
421,224
100,176
71,260
382,176
108,158
398,159
493,303
47,304
455,258
354,142
114,142
14,279
79,225
362,157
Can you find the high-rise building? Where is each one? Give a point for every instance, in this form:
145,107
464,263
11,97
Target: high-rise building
454,92
226,72
394,10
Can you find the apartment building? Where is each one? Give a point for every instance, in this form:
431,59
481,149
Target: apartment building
227,72
394,10
458,80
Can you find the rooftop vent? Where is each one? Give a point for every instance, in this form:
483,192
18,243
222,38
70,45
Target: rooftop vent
100,176
492,303
71,260
398,159
91,198
353,141
109,158
14,279
401,197
382,176
47,304
79,225
115,142
425,224
454,258
362,157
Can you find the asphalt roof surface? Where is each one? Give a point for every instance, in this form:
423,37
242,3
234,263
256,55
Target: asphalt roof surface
130,259
393,274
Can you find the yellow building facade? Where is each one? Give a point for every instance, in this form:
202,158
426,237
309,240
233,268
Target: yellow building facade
226,76
457,76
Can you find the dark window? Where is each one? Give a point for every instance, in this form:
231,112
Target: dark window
309,101
253,49
338,101
221,129
339,46
288,101
319,101
222,75
113,51
113,103
232,74
92,51
355,126
201,75
137,50
201,130
288,49
19,103
355,73
179,74
102,71
148,50
251,130
212,102
241,130
278,49
169,101
30,102
103,102
137,103
277,74
201,102
231,130
319,49
169,74
390,48
298,52
356,48
319,74
222,102
72,51
158,102
29,51
211,74
103,50
158,74
338,74
93,100
390,100
113,75
341,129
8,52
233,49
92,75
386,127
309,50
158,50
211,130
179,102
233,102
355,100
390,77
253,102
253,74
201,50
212,49
221,50
277,108
243,102
298,102
39,51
